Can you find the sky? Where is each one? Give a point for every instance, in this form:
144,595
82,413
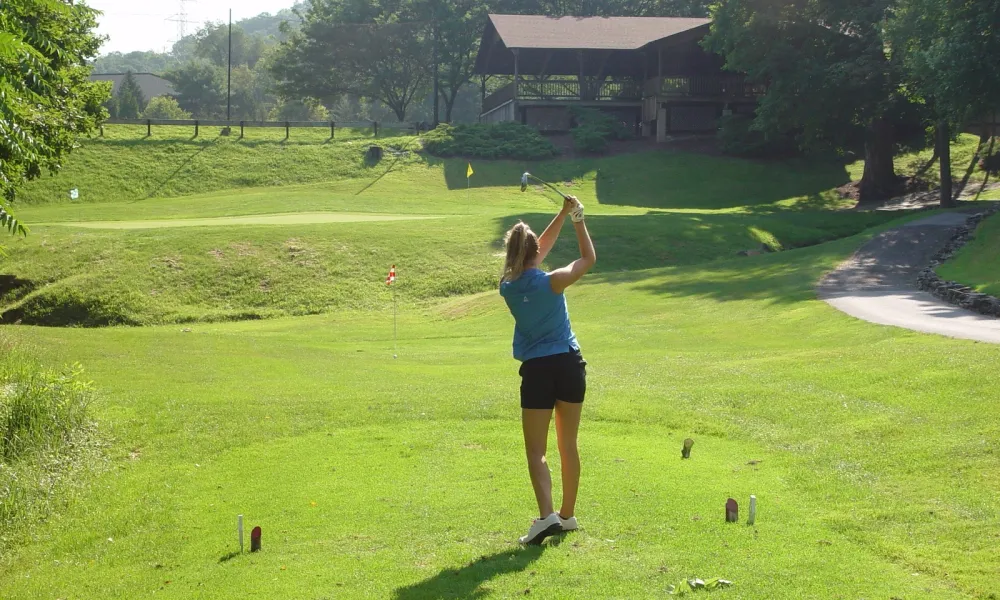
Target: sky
142,24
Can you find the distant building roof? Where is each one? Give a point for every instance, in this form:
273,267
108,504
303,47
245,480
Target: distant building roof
588,33
150,84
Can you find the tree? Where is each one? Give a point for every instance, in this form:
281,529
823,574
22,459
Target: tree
130,99
165,107
355,47
137,62
828,73
46,99
200,88
948,49
212,44
457,28
252,99
307,109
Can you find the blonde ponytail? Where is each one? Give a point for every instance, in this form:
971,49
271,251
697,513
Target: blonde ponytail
522,248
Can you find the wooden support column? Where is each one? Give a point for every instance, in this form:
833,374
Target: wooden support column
579,56
517,77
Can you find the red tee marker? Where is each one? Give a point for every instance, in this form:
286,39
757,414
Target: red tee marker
255,539
732,511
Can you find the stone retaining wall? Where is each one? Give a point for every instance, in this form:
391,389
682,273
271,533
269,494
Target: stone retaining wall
952,291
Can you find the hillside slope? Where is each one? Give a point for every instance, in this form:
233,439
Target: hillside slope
977,265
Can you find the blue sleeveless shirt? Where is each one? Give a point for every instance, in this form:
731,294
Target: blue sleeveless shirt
541,318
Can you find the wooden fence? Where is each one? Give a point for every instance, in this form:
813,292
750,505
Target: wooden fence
375,126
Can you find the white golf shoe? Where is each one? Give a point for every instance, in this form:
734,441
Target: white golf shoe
567,524
541,529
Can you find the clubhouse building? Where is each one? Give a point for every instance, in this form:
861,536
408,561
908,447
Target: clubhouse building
651,72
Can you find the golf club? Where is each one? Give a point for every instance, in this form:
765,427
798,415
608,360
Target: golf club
524,184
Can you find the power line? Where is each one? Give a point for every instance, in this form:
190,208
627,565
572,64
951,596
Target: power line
181,18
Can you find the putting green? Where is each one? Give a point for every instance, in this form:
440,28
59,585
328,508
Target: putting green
273,219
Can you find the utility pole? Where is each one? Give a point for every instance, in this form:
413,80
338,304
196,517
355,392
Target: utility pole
437,97
229,72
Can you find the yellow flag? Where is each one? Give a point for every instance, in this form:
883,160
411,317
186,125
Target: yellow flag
469,172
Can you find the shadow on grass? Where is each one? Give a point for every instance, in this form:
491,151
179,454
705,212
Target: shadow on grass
781,278
400,154
180,168
653,240
464,582
666,179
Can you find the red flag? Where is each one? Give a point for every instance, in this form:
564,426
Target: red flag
392,276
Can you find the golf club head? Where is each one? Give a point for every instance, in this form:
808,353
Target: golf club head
524,181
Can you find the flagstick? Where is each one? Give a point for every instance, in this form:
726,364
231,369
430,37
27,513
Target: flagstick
394,349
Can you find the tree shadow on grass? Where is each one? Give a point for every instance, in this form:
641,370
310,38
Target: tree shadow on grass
780,278
465,582
655,240
664,179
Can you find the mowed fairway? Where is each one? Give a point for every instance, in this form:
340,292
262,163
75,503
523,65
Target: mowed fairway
286,219
873,451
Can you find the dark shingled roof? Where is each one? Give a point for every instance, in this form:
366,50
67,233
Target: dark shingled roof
151,85
588,33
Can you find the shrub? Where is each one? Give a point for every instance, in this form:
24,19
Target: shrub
737,137
48,439
594,129
165,107
588,139
503,140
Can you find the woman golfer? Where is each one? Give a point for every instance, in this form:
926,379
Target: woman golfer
553,372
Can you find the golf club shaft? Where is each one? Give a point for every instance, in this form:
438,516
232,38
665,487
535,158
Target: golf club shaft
552,187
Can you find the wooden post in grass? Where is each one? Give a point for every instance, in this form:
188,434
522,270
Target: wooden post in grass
149,128
287,131
196,128
241,129
239,529
333,126
753,510
375,128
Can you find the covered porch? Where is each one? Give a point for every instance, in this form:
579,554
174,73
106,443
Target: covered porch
533,69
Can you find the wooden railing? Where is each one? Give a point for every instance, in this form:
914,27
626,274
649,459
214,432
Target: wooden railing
375,126
723,86
587,90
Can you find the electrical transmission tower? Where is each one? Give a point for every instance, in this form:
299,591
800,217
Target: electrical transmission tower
181,18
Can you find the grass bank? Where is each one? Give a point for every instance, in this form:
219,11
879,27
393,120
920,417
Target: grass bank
977,265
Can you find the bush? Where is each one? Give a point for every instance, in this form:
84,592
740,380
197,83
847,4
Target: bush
164,107
47,440
503,140
588,139
594,129
737,137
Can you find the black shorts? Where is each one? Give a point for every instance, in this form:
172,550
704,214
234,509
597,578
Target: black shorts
549,378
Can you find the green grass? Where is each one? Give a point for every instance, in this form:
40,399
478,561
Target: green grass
648,210
380,478
49,443
977,264
909,164
125,165
139,276
404,479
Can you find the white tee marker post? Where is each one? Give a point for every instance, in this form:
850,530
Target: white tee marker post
239,529
753,510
